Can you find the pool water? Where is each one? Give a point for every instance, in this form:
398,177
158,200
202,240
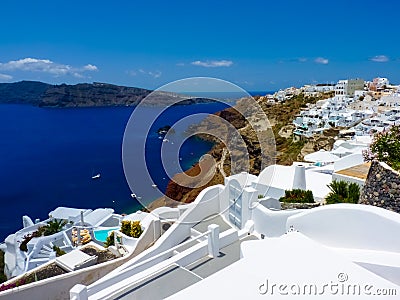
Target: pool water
101,235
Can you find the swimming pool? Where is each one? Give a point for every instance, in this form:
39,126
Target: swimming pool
102,234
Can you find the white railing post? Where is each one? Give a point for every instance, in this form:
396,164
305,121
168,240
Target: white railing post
78,292
213,240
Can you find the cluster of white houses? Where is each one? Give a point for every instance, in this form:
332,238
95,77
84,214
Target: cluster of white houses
364,107
349,88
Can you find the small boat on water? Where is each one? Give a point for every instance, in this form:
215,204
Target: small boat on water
154,185
133,195
96,176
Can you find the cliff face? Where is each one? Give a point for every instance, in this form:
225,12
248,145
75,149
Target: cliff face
88,95
23,92
79,95
280,117
85,95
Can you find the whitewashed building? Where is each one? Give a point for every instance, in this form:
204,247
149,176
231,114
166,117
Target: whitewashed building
346,88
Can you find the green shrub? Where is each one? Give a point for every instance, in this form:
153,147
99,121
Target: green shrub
298,196
39,232
110,240
343,192
59,252
24,244
53,227
131,228
3,277
354,192
126,227
136,229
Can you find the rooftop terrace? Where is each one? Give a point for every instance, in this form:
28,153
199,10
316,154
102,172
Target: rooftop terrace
359,171
175,278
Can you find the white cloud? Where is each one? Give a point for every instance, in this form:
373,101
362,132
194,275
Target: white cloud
213,63
131,72
35,65
77,75
5,77
90,67
154,74
321,60
45,66
379,58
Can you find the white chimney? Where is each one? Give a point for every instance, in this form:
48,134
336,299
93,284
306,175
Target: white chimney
299,179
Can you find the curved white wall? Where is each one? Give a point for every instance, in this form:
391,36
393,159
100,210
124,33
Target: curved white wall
166,213
271,223
271,203
353,226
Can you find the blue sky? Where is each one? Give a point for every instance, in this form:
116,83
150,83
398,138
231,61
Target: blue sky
259,45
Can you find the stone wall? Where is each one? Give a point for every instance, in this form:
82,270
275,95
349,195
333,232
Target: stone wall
286,205
382,187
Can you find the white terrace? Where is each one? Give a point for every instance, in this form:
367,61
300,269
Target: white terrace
227,244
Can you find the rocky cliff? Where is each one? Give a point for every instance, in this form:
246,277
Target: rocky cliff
23,92
64,95
280,116
89,95
83,95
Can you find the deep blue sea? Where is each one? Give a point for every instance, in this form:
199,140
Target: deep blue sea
49,155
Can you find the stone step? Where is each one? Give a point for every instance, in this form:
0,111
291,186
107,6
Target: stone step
47,247
44,251
42,255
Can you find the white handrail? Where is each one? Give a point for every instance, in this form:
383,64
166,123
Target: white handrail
143,279
171,250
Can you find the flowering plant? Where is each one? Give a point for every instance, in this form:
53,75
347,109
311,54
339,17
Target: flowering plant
385,147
